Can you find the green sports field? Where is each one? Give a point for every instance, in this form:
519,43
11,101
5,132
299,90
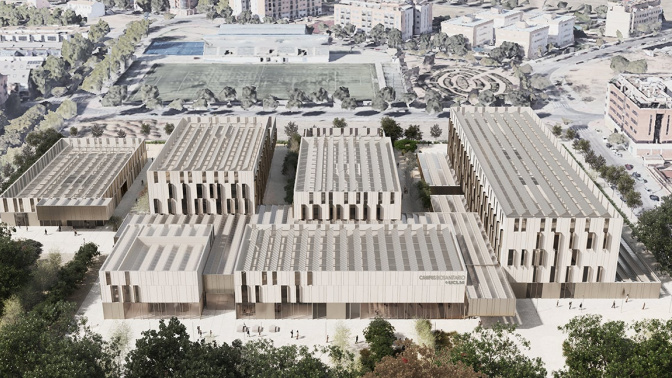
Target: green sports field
184,80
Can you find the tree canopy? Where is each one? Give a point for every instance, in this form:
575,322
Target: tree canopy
654,229
391,128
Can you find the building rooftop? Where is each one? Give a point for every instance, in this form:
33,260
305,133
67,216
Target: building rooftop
292,41
550,18
160,248
346,163
227,232
435,169
524,26
75,168
70,29
262,29
647,90
213,144
448,203
497,12
525,169
468,21
350,247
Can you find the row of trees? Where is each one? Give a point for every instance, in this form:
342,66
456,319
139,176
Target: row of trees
120,52
15,14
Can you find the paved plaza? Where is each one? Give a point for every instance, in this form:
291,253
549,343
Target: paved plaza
184,80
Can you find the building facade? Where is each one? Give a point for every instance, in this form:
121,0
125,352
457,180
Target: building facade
548,224
346,174
640,106
78,182
408,17
213,165
533,38
560,28
279,9
87,9
266,43
36,40
4,89
478,32
183,7
630,17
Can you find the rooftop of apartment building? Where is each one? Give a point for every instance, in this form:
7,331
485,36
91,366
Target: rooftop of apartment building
468,20
497,12
523,26
635,5
213,144
380,4
70,29
262,29
647,90
525,169
75,169
550,18
227,231
354,161
160,248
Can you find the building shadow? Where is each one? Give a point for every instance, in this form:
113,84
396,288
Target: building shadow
526,316
366,113
313,114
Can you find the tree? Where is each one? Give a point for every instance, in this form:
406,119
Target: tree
349,103
270,103
145,129
73,131
341,93
379,334
408,98
421,361
654,229
521,97
13,105
115,96
378,103
633,198
486,97
96,131
619,63
613,349
76,50
16,259
339,122
378,34
435,131
98,31
249,93
177,104
507,51
149,95
497,352
206,94
388,94
433,106
556,130
413,132
394,38
291,128
321,95
228,94
391,128
168,128
121,133
581,145
423,328
570,133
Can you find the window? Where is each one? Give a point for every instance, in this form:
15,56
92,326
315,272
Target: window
516,225
243,278
523,254
275,278
392,198
310,278
136,293
586,274
587,225
554,225
512,253
575,256
523,227
108,279
297,278
115,293
543,225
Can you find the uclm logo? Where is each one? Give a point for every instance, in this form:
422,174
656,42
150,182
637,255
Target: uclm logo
448,279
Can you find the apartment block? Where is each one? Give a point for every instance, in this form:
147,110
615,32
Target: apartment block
279,9
640,106
213,165
533,38
36,40
477,31
78,182
560,28
411,18
627,16
548,224
346,174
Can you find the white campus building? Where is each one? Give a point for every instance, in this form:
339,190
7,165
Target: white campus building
627,16
213,165
18,41
346,174
87,9
560,28
409,17
532,38
477,31
266,43
500,16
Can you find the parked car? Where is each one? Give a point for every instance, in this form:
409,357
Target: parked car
629,166
654,197
636,175
609,145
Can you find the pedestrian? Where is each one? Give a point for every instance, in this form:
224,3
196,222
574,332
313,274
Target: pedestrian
59,228
570,305
644,306
291,334
75,232
142,182
557,304
613,305
356,339
581,306
210,333
627,298
45,231
297,334
259,329
200,333
327,339
248,332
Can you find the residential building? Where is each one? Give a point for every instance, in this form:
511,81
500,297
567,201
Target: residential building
346,174
640,106
500,16
533,38
549,226
4,90
477,31
39,3
78,182
629,17
36,40
560,28
87,9
279,9
213,165
266,43
18,69
411,18
183,7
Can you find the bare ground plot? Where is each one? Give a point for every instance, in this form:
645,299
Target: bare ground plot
184,80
